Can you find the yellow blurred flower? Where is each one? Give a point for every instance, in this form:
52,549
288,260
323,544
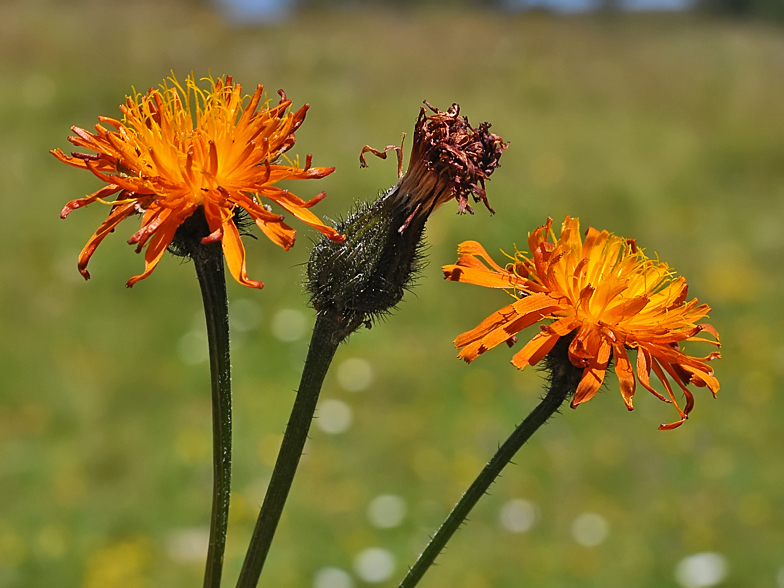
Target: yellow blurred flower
609,294
125,563
179,150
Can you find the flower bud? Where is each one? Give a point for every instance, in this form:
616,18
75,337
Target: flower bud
366,275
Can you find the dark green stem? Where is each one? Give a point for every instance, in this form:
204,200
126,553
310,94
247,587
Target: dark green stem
562,384
208,260
327,335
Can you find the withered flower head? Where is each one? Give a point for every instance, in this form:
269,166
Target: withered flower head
449,159
366,276
608,297
183,153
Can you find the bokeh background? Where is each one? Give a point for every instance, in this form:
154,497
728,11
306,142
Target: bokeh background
665,127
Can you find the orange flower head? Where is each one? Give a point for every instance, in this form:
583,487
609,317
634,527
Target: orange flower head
179,150
608,296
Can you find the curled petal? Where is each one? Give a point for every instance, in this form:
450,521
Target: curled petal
474,249
104,192
155,250
107,226
644,366
689,399
702,378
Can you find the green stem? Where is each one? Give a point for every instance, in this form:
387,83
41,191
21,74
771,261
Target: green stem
208,260
562,384
323,344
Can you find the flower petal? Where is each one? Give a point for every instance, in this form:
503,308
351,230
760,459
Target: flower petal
279,233
80,202
535,349
107,226
623,369
593,376
461,272
234,252
532,308
644,366
155,250
288,201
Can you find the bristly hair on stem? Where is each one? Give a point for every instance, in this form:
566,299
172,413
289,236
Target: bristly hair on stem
368,277
193,228
208,261
562,382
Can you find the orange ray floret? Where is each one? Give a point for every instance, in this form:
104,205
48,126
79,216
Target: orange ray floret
183,149
605,292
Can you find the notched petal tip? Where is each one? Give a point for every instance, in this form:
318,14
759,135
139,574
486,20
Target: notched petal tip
452,273
468,354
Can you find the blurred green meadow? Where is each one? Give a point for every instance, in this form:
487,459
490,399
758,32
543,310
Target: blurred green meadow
665,128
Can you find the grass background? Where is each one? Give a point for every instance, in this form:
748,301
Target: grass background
669,129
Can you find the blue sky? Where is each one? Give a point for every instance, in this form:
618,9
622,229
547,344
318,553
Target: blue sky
254,11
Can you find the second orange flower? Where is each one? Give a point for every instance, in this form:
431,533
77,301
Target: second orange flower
607,294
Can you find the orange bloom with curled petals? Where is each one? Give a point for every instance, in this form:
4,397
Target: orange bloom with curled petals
179,150
607,293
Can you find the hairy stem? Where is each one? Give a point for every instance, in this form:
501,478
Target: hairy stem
563,383
323,344
208,260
